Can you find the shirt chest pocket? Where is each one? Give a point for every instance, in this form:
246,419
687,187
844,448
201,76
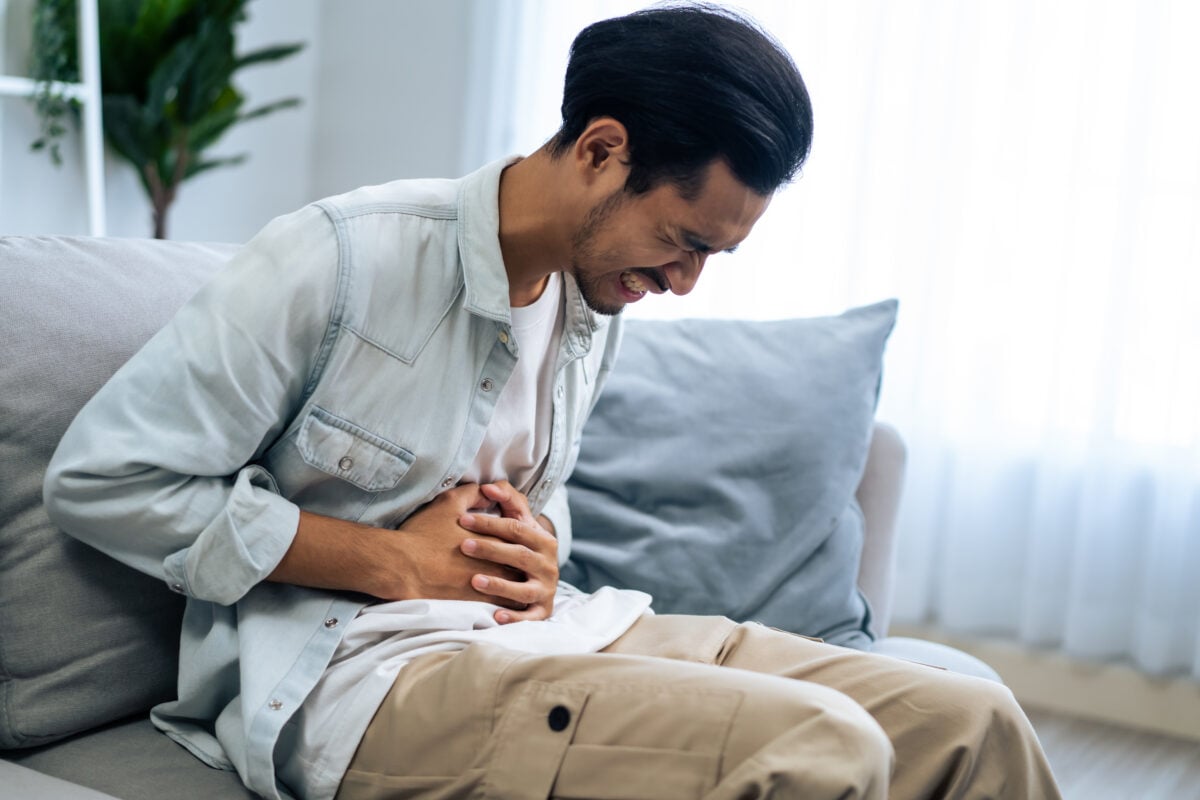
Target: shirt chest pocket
344,450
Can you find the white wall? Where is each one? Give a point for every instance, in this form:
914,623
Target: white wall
232,203
382,88
390,92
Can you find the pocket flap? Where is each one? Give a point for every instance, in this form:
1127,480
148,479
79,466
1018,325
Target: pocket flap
354,454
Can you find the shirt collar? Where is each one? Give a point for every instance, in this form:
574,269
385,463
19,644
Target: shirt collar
484,277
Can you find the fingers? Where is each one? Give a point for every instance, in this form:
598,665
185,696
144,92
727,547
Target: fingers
518,541
534,595
512,503
523,532
528,562
463,496
527,600
522,593
536,612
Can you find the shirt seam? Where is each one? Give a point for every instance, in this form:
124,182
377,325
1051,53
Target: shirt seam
446,213
336,311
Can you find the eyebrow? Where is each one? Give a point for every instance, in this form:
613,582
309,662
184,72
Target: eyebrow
696,242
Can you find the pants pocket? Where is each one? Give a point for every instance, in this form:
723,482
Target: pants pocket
609,742
611,772
362,785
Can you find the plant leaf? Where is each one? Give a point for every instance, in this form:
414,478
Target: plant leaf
204,166
210,127
167,79
211,71
270,108
274,53
125,128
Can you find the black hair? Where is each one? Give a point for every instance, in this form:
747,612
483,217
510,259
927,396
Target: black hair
691,83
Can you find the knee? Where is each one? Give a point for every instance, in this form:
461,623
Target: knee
858,761
977,714
986,741
855,729
867,756
816,743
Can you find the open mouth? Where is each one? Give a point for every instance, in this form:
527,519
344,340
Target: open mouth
636,284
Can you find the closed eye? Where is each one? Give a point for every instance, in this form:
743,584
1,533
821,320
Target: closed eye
695,243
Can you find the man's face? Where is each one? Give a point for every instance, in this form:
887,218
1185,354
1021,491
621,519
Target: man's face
656,242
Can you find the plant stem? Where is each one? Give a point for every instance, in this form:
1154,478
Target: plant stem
158,198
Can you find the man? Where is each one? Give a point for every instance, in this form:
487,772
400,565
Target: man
348,452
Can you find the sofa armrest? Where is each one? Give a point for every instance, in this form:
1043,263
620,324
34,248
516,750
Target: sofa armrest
30,784
879,497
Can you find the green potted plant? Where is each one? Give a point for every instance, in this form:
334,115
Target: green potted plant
167,70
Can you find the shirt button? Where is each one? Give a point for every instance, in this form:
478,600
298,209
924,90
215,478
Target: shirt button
346,463
331,622
503,337
559,391
486,384
446,484
177,587
274,705
559,719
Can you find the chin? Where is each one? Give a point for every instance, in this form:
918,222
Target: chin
590,290
604,310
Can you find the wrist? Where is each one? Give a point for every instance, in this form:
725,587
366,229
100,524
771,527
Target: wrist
384,568
330,553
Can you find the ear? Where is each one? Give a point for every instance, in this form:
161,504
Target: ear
601,153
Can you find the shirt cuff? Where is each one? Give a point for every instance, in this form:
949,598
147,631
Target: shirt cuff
241,546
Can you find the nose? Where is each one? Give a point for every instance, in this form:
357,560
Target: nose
684,273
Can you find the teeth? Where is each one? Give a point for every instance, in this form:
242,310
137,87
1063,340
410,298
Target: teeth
633,283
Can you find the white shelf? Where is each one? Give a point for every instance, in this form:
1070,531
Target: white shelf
87,92
14,86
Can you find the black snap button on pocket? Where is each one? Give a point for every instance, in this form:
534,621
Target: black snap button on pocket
559,719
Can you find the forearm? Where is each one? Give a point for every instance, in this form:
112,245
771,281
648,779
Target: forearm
423,558
329,553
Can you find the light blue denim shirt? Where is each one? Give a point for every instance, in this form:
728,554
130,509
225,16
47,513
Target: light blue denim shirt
346,362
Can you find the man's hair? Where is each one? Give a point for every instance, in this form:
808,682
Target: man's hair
690,83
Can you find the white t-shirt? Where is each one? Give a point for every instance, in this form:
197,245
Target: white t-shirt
517,440
317,744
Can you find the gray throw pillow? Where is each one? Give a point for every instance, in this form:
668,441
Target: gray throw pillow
83,639
719,467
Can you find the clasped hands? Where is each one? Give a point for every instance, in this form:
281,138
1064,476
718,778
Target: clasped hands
455,550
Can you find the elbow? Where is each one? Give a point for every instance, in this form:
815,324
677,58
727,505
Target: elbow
77,497
56,495
62,495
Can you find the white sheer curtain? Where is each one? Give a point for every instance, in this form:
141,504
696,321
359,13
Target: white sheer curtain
1025,177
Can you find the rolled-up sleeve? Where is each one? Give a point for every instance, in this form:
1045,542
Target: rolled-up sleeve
157,470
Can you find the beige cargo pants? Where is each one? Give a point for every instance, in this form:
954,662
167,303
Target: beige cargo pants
694,707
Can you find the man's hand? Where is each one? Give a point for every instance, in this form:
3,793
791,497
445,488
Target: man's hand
429,561
443,551
517,540
421,560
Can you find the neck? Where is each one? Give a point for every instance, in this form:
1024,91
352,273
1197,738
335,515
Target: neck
535,238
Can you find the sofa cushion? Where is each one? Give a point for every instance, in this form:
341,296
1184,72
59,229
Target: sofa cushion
29,784
131,760
719,467
83,639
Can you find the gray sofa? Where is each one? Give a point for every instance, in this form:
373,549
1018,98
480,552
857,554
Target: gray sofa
88,645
